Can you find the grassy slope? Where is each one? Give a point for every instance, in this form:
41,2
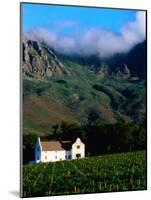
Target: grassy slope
115,172
70,98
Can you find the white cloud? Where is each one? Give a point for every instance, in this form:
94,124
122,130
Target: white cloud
94,41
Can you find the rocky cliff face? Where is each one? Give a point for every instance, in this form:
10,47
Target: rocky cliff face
38,60
104,71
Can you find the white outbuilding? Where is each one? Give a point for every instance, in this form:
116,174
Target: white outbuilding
51,151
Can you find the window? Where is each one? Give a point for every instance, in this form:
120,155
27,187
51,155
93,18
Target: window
55,157
45,157
69,157
78,155
78,146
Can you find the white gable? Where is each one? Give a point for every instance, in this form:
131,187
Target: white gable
78,149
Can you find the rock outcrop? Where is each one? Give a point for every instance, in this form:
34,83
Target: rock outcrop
38,60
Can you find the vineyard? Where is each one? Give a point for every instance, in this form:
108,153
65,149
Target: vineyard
116,172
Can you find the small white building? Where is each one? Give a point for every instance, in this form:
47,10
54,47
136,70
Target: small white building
51,151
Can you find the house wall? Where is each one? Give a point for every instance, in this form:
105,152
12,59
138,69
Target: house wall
68,154
47,156
38,149
76,150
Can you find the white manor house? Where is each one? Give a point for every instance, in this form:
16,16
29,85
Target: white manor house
51,151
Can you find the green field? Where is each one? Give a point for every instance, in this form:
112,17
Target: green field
116,172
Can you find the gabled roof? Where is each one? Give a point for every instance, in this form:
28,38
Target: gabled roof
56,145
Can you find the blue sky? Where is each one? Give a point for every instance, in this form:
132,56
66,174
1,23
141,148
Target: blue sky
67,19
82,30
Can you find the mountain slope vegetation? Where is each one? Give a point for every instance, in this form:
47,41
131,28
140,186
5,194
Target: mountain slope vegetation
57,88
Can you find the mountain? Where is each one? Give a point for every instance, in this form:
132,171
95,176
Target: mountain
135,59
60,88
39,60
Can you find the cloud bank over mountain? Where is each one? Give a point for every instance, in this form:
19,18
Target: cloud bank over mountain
93,41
